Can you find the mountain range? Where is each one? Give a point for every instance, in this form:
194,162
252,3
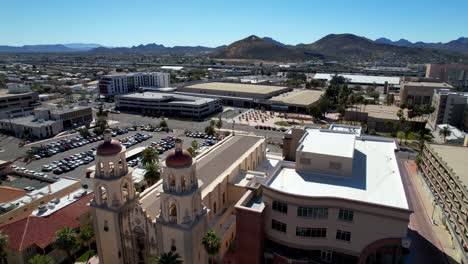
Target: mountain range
332,47
460,44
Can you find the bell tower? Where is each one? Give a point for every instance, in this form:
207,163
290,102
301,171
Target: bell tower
113,189
183,216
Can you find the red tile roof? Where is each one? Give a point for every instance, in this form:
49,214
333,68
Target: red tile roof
40,231
8,194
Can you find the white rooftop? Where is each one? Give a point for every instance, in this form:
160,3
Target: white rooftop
368,79
375,178
330,143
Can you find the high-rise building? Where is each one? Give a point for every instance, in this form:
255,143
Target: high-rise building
449,108
113,84
419,93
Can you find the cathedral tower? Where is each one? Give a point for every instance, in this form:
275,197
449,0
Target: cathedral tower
183,217
113,189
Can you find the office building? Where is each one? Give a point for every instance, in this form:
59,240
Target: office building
46,122
18,100
449,108
381,118
168,104
114,84
420,93
443,168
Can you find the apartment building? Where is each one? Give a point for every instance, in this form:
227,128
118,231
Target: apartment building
114,84
443,168
72,116
420,93
168,104
450,108
339,199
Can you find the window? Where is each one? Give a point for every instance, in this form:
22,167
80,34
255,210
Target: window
224,198
326,255
278,226
319,212
280,207
346,215
334,165
214,207
343,235
311,232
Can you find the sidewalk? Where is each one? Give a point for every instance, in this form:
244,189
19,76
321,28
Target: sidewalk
433,214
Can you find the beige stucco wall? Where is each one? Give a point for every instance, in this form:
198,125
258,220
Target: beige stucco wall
370,222
321,163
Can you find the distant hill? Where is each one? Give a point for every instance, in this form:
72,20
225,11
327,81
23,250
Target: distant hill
82,46
273,41
458,45
254,47
36,49
155,49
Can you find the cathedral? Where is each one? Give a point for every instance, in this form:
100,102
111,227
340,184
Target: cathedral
194,195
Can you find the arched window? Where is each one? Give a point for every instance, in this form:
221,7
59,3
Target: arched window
125,191
183,184
214,208
172,182
103,195
224,198
111,168
173,213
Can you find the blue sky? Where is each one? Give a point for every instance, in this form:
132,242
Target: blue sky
213,23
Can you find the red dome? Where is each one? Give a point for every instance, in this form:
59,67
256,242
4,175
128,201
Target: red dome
109,148
178,158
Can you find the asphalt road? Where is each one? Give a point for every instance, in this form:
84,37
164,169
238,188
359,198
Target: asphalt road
80,172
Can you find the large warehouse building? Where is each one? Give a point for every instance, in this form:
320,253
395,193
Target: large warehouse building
168,104
236,94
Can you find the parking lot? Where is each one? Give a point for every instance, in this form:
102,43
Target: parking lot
80,171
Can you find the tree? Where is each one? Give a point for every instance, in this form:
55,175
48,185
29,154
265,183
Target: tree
192,151
86,236
152,174
195,145
84,132
66,239
315,112
163,123
101,121
169,258
219,123
212,122
212,244
3,247
41,259
210,130
148,156
445,132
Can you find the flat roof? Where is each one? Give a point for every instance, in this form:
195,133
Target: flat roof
375,178
355,78
328,143
456,158
169,98
298,97
238,87
428,84
30,121
6,93
379,111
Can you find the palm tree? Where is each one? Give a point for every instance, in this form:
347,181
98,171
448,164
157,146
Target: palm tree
40,259
445,132
148,156
219,123
152,174
66,239
86,236
212,244
3,247
170,257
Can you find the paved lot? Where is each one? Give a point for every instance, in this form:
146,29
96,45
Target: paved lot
22,182
9,148
79,173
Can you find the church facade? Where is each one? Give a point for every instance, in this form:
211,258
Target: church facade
194,196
